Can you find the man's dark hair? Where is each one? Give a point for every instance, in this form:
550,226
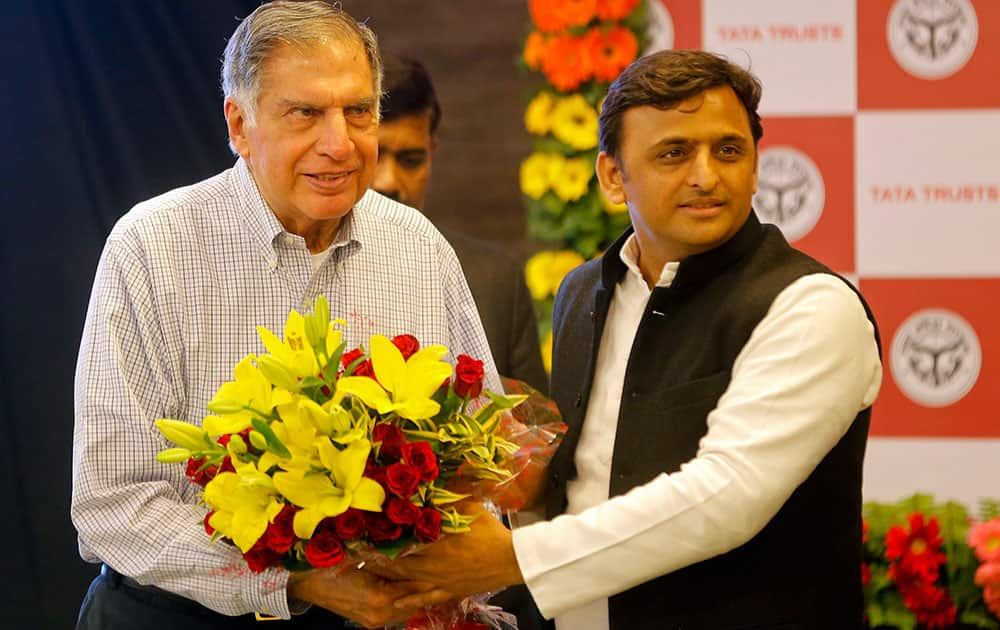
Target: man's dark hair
664,79
408,90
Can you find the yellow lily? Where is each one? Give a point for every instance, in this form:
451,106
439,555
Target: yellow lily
294,353
244,503
249,389
404,386
324,495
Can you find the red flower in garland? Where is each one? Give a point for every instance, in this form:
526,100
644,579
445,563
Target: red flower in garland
917,552
614,10
611,51
567,62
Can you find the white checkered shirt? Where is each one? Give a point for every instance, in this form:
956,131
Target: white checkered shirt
183,281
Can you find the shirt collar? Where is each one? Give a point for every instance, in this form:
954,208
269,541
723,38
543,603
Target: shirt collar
630,256
265,226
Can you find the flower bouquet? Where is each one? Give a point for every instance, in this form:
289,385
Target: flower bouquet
931,565
313,453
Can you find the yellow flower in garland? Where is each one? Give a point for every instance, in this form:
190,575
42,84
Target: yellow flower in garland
544,271
547,352
538,115
573,179
535,174
574,122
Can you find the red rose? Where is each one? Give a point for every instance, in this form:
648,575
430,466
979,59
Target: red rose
428,525
279,534
403,479
402,511
468,377
350,525
380,528
392,440
407,345
200,477
421,455
208,528
363,368
227,465
259,557
377,473
324,549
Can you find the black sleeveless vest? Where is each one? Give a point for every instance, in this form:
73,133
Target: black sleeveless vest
803,570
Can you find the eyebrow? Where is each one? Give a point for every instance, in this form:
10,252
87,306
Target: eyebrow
729,137
287,103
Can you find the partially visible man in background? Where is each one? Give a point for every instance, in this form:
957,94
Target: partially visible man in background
407,139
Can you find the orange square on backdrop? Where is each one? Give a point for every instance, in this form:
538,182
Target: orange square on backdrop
940,354
827,144
898,67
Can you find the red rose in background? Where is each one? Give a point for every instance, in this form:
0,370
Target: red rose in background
380,528
468,377
279,534
259,557
324,549
402,511
403,479
428,525
227,465
361,369
350,525
392,440
421,455
208,528
200,477
407,344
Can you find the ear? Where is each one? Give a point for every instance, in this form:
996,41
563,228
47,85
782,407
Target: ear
611,177
236,122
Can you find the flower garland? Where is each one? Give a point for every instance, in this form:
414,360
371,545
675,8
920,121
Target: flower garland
579,47
928,565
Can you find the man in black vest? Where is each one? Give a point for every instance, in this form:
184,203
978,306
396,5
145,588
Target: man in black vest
717,384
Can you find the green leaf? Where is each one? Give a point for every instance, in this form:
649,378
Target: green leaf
393,548
274,444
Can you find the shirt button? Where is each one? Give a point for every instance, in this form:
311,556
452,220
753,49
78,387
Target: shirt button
289,239
272,264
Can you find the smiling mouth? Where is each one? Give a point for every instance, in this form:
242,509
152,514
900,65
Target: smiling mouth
328,177
701,204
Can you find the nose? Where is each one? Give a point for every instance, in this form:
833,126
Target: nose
334,139
702,173
385,180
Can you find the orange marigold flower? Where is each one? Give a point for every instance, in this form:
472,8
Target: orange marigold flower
534,50
567,62
611,51
576,12
614,10
546,15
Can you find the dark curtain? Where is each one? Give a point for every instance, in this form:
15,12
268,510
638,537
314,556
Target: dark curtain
106,103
